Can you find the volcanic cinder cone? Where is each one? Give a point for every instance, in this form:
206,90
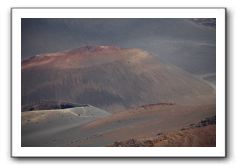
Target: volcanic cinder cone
109,77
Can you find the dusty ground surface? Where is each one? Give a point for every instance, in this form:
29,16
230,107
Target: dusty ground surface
203,135
100,128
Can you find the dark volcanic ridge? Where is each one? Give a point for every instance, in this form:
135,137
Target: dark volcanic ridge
108,77
210,22
51,105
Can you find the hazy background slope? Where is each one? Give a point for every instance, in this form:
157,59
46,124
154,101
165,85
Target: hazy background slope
186,43
109,77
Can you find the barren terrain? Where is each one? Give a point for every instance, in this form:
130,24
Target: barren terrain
98,95
98,128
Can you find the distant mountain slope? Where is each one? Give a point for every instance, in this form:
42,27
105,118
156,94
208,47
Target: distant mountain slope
187,43
108,77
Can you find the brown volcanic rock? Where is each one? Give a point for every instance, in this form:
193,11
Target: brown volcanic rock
201,134
195,137
108,77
